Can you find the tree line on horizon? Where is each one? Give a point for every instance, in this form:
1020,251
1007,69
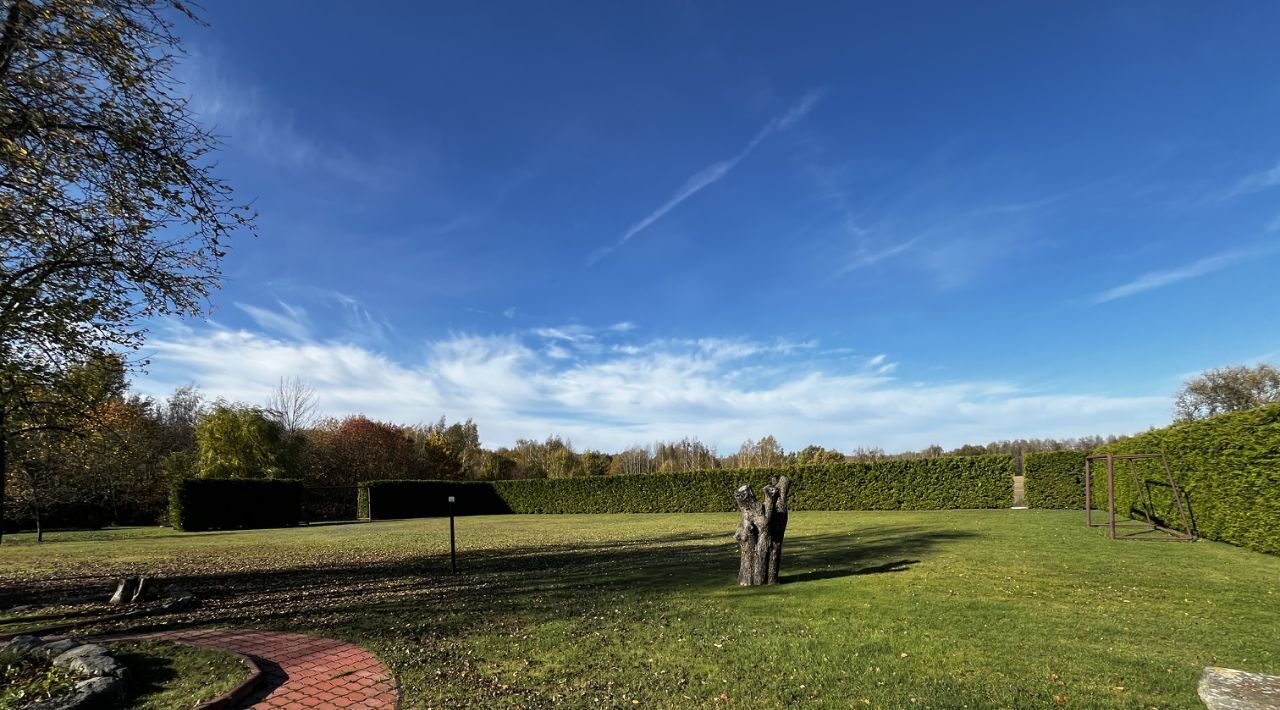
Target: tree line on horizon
89,452
95,453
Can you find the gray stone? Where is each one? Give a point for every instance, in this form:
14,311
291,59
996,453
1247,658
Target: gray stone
1228,689
53,649
97,666
71,701
87,695
105,685
108,686
81,650
23,644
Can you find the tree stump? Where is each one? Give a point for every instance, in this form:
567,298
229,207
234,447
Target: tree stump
759,535
125,589
143,591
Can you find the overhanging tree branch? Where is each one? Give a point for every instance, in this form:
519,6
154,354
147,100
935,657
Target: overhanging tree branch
110,211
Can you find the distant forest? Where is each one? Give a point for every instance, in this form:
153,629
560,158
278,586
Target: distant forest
119,453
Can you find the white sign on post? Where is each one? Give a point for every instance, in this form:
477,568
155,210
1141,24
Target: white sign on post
451,499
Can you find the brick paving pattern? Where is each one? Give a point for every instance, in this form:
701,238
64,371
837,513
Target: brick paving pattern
301,671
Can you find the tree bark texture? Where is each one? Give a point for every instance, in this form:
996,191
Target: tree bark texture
4,460
125,589
760,534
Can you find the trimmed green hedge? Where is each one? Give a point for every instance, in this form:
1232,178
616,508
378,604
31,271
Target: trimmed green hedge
60,516
1054,479
921,484
381,500
229,503
686,492
1227,466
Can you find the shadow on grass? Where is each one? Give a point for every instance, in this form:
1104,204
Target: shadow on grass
540,581
148,673
895,566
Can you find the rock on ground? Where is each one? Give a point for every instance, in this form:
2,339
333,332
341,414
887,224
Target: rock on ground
1229,689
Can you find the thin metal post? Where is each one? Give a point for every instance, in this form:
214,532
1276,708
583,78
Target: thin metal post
1088,495
1177,496
1111,496
453,545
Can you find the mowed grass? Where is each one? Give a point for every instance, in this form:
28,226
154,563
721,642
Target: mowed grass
174,676
879,609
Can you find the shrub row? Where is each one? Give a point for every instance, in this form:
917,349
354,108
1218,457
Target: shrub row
321,503
1228,468
1054,479
54,516
381,500
922,484
230,503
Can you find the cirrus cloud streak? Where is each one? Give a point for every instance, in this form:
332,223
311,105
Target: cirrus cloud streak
617,390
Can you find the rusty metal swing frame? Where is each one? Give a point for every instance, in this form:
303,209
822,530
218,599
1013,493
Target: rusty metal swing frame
1184,535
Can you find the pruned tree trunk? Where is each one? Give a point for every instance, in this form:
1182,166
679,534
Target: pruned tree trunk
760,534
125,589
143,590
35,514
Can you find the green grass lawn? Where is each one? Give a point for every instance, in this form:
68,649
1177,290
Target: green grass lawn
883,609
174,676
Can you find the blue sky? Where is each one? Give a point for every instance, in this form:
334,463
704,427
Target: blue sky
852,224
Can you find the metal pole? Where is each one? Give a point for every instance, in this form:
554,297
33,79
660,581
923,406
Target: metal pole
453,545
1111,496
1177,496
1088,496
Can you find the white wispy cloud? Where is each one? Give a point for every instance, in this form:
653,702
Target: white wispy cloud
1254,182
638,391
865,257
798,111
582,336
1020,207
363,324
1159,279
713,173
247,119
290,320
956,222
572,333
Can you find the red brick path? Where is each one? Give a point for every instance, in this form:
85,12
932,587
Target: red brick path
301,671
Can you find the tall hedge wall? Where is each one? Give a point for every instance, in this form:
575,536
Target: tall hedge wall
923,484
1054,479
380,500
230,503
1228,467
